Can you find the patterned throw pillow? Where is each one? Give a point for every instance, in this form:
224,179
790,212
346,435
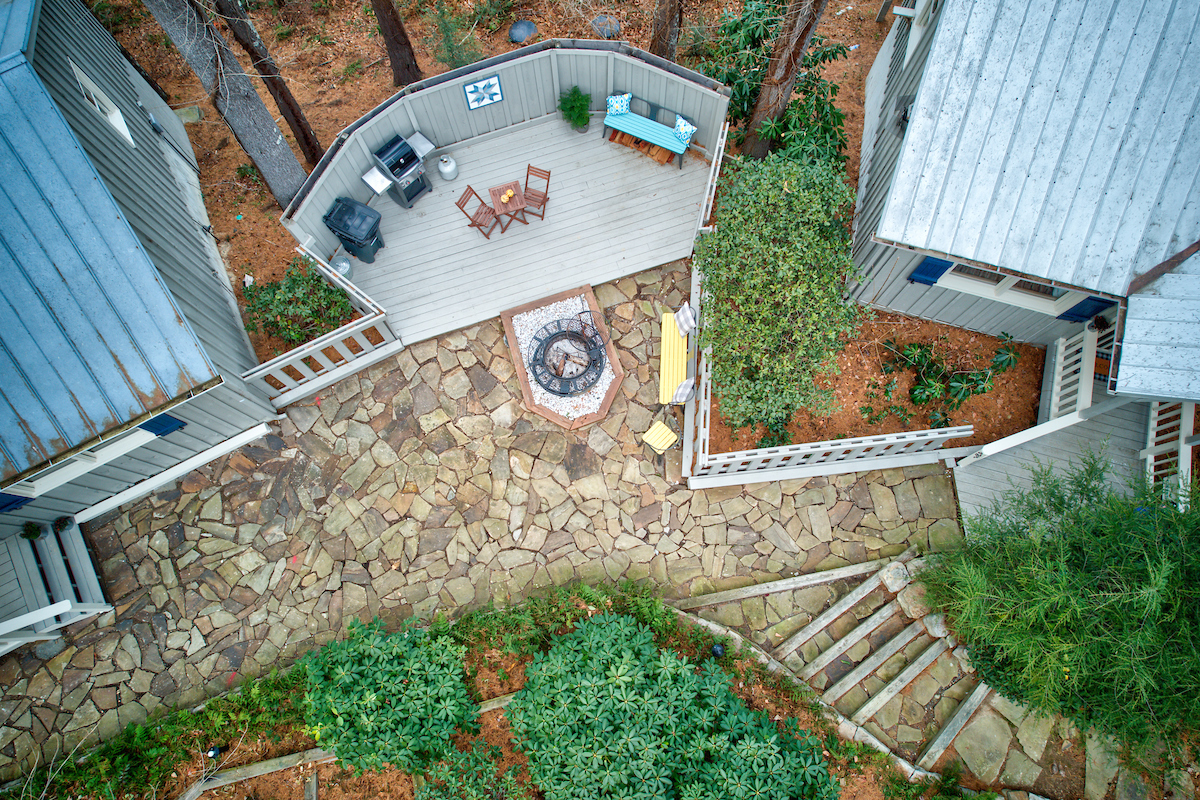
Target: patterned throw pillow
684,130
619,103
685,319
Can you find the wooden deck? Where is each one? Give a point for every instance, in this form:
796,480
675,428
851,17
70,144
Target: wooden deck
612,212
1118,435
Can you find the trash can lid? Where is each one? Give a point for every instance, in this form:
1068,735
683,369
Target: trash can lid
353,220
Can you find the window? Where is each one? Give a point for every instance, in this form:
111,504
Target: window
995,285
82,463
99,101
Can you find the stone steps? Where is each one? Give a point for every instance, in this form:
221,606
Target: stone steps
865,642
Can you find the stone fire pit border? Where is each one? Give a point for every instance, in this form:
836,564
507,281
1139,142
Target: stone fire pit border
523,374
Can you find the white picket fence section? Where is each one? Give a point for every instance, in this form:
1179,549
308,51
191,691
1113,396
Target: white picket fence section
1170,436
307,369
857,454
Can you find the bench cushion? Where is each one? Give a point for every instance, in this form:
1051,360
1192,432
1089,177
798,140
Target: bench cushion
647,130
672,367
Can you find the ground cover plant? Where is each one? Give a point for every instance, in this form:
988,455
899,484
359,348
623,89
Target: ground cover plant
1077,599
376,698
140,760
298,308
607,714
775,269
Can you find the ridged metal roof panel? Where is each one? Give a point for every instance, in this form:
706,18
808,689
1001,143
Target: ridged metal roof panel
1059,140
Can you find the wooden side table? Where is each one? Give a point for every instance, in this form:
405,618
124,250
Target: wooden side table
514,209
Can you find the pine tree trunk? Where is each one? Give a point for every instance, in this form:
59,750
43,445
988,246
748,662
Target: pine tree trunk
232,92
668,19
788,53
395,38
244,32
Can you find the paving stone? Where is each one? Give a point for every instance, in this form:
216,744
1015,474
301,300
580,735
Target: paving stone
937,497
1033,733
1020,771
983,744
1100,766
944,535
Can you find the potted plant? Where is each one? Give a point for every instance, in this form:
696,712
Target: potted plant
574,106
31,531
62,523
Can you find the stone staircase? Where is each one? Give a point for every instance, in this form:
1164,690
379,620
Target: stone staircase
863,639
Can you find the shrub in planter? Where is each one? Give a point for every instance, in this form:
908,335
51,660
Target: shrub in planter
379,699
61,524
574,106
298,308
31,531
606,714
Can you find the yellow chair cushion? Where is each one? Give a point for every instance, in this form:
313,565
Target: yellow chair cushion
660,437
672,369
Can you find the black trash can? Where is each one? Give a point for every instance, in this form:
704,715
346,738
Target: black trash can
357,226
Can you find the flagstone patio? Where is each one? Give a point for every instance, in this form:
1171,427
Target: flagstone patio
419,486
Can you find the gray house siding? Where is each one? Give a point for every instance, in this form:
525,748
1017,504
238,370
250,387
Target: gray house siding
884,269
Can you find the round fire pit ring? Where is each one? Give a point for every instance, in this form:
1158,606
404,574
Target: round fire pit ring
568,356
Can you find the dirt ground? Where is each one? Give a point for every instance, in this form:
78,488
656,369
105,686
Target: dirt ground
335,65
1011,406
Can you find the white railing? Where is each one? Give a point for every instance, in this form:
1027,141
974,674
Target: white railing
857,454
1074,373
296,373
20,630
1170,437
714,172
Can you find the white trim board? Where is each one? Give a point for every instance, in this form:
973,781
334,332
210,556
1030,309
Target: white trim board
145,487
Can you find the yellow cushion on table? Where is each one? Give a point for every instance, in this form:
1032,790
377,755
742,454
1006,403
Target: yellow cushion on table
660,437
672,369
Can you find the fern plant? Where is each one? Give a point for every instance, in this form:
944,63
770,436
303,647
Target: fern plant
394,699
606,714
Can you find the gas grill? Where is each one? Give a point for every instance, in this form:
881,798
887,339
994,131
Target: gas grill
400,160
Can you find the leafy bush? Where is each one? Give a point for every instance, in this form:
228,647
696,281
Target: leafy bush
775,270
380,699
1077,599
574,107
452,42
471,775
605,714
937,381
812,128
298,308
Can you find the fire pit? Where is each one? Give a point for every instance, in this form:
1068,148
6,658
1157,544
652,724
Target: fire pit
568,356
568,370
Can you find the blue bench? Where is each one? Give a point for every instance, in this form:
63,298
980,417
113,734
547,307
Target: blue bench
647,128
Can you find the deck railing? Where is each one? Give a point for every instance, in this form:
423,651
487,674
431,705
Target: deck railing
855,454
1170,436
1074,373
704,223
309,367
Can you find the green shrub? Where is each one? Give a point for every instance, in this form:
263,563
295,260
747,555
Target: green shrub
1080,600
937,382
775,271
606,714
452,42
379,699
471,775
298,308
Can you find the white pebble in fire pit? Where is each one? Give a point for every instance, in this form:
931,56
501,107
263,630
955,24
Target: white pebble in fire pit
526,326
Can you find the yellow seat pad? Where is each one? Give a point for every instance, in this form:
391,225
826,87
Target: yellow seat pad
672,369
660,437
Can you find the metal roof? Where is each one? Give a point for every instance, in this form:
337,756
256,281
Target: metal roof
1160,351
1056,139
90,338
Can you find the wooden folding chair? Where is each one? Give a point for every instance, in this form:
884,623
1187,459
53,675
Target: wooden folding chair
536,198
483,217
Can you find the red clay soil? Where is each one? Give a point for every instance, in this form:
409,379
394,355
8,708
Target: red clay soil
1011,406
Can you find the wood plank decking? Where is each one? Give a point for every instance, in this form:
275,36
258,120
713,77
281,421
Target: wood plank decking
1119,434
612,212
